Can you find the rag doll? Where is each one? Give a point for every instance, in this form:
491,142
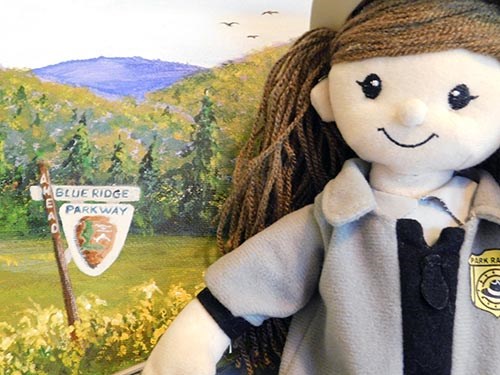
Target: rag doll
366,204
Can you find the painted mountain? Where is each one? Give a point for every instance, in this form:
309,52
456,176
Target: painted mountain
117,77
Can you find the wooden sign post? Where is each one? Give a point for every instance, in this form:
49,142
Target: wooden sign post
52,218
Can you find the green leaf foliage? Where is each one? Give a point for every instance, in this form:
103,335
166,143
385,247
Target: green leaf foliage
178,145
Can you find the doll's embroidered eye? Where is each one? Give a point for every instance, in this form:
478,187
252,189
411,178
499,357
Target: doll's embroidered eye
371,86
459,97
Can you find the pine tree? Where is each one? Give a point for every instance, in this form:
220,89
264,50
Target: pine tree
203,138
116,170
200,180
149,172
148,216
3,161
20,100
80,163
21,94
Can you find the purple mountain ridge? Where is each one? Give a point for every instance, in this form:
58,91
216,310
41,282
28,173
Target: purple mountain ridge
117,77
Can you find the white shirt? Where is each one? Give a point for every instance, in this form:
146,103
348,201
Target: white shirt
447,206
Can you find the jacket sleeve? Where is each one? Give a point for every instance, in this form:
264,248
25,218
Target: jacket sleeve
274,273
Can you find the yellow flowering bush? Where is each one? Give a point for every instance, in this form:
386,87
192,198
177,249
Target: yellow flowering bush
41,341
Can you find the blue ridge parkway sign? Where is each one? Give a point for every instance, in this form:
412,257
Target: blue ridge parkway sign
95,221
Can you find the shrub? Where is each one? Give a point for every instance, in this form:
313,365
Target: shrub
40,343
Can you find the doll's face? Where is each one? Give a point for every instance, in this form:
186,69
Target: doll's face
420,113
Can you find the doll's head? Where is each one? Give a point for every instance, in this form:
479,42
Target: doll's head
292,154
423,113
423,97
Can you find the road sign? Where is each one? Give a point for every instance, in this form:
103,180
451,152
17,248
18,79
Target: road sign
94,219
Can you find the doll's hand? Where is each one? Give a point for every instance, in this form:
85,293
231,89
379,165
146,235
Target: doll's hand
193,344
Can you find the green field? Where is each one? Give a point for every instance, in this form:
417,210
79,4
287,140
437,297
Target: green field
165,259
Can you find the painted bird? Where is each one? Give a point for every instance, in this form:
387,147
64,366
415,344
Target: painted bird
270,12
230,24
252,36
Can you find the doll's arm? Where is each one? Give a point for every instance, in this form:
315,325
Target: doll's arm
271,275
193,344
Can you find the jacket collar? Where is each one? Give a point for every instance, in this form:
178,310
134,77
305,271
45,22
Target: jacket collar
349,196
486,203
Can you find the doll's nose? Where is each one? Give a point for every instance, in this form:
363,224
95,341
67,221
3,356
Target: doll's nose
412,112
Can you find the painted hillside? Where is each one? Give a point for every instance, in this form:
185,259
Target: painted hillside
182,139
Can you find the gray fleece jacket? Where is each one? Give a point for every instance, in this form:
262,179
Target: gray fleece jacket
334,266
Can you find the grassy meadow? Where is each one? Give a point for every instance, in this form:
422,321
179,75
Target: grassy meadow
32,276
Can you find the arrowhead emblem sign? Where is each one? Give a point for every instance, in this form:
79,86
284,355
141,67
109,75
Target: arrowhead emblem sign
95,237
95,233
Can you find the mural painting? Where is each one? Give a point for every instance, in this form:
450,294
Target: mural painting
119,125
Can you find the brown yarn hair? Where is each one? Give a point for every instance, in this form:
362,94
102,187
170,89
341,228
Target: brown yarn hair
291,155
409,27
283,164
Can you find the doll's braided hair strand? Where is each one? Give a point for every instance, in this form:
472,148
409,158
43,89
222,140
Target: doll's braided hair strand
290,154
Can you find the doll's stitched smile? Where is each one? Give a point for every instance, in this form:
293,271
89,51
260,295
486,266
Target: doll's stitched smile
407,145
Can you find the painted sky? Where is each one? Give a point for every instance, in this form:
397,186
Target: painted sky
37,33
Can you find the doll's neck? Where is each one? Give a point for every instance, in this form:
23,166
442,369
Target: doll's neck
410,185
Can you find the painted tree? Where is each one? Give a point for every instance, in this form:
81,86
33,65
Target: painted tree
15,180
21,94
79,165
117,172
20,99
6,189
148,216
3,162
149,171
200,180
